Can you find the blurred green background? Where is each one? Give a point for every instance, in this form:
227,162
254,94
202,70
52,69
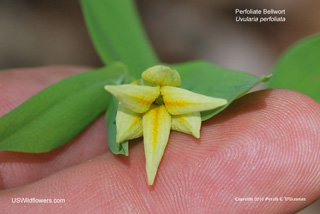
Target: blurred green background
44,32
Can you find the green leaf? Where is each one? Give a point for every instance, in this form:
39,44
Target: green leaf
207,79
116,148
117,34
299,68
59,113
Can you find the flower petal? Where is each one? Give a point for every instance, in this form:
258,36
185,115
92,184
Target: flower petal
181,101
187,123
162,75
156,130
129,124
135,97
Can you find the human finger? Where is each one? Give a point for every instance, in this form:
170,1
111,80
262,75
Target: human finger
262,146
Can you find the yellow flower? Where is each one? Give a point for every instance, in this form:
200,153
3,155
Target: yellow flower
155,107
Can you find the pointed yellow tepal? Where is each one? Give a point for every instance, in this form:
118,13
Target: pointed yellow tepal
128,123
187,123
135,97
152,111
156,129
180,101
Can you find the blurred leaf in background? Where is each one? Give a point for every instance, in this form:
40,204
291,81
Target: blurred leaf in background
118,35
299,68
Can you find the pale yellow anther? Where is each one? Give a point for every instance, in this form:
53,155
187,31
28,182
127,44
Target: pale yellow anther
135,97
187,123
129,124
162,75
180,101
156,130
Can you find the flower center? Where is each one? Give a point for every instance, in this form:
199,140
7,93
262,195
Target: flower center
159,101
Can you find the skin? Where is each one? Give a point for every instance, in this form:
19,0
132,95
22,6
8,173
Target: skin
265,144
